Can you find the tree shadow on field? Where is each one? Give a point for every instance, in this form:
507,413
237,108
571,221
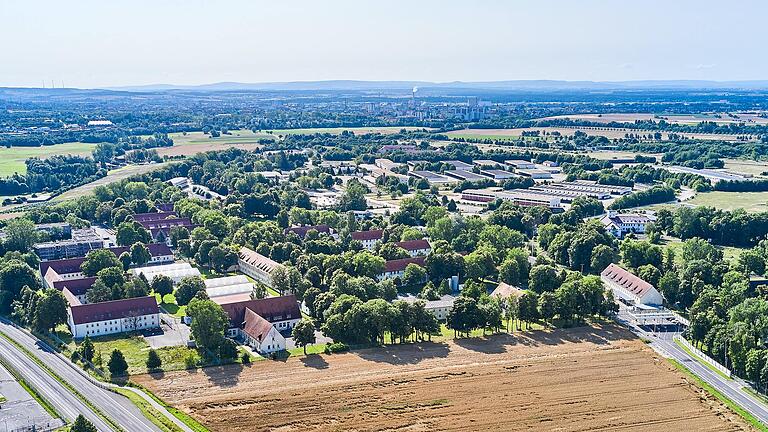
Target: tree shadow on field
405,353
224,376
315,361
598,334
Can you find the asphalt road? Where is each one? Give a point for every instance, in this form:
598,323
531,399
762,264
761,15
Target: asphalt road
663,343
118,408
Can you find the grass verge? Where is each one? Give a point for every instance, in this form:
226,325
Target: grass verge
702,361
161,421
64,383
752,420
181,415
32,391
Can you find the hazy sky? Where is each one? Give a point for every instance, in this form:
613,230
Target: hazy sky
88,43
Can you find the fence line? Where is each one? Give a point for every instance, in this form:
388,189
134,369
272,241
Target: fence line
709,360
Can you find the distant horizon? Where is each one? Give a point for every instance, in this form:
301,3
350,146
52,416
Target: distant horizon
364,84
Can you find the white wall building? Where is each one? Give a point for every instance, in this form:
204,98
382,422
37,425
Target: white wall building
621,224
369,239
256,265
118,316
229,285
176,272
630,288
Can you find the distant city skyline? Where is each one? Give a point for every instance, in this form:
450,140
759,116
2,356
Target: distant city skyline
90,44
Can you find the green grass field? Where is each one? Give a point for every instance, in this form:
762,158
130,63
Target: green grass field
12,159
750,201
235,137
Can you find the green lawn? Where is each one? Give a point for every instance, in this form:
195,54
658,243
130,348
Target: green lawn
135,350
12,159
730,253
750,201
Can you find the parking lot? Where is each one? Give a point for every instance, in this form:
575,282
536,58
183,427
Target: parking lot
20,410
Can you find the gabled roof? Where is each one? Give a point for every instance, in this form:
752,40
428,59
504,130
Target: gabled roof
301,231
77,287
367,235
115,309
397,265
257,260
62,266
504,290
255,326
167,223
412,245
626,280
146,217
271,308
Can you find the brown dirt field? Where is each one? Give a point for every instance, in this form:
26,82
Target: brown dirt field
586,379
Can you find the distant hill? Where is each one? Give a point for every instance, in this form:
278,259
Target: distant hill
353,85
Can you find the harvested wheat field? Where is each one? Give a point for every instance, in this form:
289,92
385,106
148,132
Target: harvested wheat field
586,379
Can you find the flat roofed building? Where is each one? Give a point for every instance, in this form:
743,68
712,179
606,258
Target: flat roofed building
534,173
82,241
518,164
630,288
498,174
228,285
519,197
569,194
433,177
487,163
465,175
459,165
117,316
256,265
176,272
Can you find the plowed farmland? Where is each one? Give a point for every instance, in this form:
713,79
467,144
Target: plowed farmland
586,379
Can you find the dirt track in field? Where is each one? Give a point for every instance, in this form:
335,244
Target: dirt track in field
585,379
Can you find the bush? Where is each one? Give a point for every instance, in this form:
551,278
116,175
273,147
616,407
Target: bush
336,347
190,361
245,358
153,360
